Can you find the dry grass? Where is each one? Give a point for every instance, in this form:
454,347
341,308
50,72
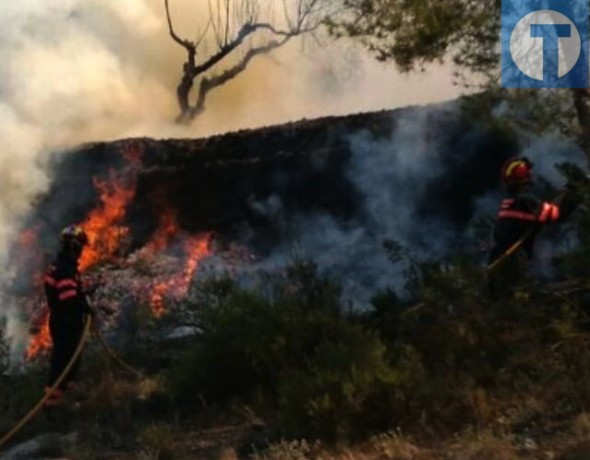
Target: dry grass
227,454
484,445
289,450
581,427
392,446
387,446
112,391
158,442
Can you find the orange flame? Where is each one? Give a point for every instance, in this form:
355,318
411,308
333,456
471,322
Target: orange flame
41,341
195,249
103,230
165,232
29,257
104,234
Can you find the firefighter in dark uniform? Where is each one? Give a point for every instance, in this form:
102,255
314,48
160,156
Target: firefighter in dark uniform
68,310
521,215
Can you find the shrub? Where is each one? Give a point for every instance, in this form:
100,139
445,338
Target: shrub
337,393
158,441
288,450
249,341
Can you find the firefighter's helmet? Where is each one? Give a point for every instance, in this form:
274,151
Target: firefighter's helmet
517,171
73,234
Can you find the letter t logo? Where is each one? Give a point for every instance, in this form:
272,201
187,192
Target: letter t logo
550,33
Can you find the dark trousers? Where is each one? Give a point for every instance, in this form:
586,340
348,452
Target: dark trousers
508,275
66,332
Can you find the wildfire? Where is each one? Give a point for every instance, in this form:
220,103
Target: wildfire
104,230
172,255
165,232
101,225
42,340
195,249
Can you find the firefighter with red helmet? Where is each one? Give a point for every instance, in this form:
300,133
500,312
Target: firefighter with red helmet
68,309
518,221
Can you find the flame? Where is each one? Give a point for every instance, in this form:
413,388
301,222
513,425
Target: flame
41,341
102,224
195,249
165,232
106,232
30,258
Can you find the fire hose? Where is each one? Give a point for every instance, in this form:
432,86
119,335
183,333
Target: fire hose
75,356
516,246
512,249
39,405
115,356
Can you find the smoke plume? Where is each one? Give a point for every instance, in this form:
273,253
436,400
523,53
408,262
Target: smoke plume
423,187
76,71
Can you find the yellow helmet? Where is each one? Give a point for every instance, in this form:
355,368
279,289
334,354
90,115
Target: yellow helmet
74,234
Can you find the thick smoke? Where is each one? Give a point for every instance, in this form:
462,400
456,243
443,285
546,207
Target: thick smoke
395,177
75,71
391,176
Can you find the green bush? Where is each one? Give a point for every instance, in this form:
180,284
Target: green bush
342,389
450,361
249,341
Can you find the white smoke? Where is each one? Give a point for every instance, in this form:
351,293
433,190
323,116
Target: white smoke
391,176
61,83
75,71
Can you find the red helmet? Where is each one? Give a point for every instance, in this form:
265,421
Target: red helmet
517,171
74,234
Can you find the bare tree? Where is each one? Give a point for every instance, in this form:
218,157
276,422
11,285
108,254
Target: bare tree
237,25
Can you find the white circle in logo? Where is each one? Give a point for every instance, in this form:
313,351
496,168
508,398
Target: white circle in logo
527,51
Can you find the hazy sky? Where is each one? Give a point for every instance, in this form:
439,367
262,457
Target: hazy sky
81,70
301,80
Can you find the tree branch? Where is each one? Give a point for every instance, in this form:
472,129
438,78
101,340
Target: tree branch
303,22
207,84
185,43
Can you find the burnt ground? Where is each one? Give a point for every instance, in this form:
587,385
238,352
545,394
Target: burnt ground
213,182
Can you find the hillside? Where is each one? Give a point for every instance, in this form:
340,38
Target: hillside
310,290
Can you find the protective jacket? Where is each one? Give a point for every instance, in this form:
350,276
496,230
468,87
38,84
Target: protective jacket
521,212
64,289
